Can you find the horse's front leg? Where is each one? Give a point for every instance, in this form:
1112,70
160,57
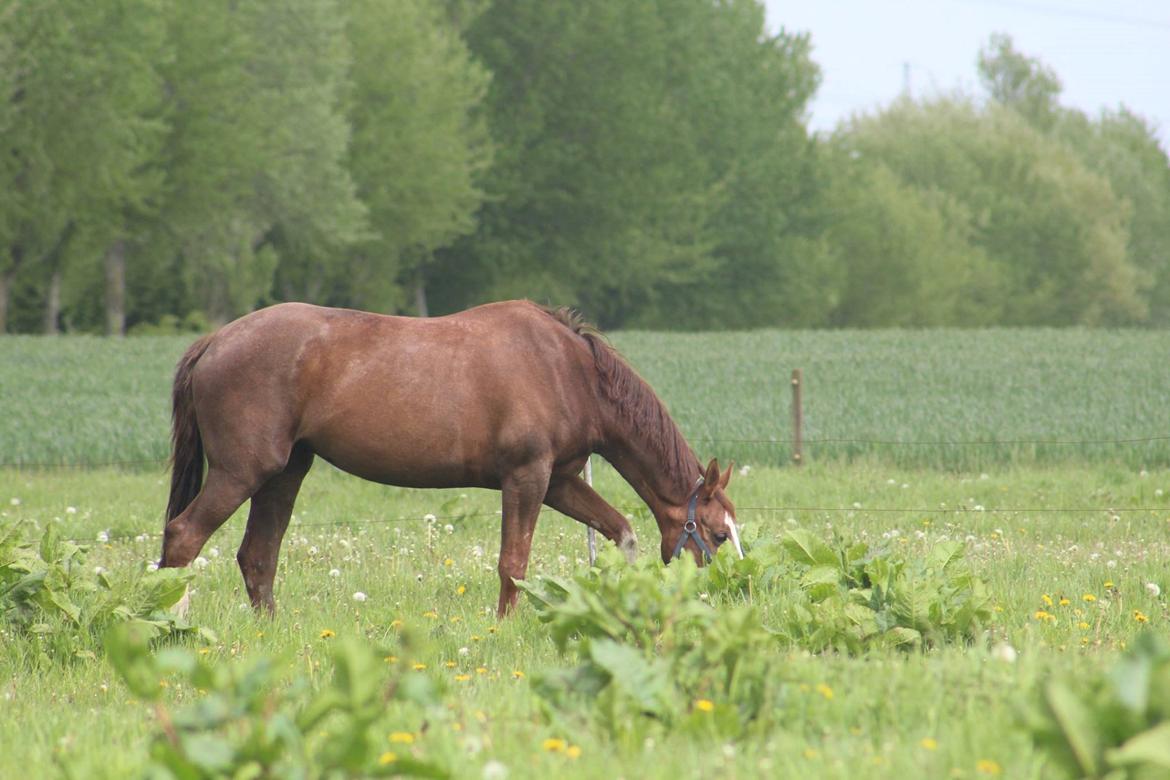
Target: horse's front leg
572,496
523,492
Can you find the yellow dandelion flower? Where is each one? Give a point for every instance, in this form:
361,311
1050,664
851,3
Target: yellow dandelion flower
929,743
573,751
1089,597
460,590
462,677
396,623
476,638
519,675
1108,584
450,664
824,690
810,753
419,667
985,766
1083,626
204,650
1046,599
430,613
554,745
491,629
387,758
481,670
1041,615
704,705
455,618
1064,602
163,684
1140,616
449,562
327,633
391,659
402,737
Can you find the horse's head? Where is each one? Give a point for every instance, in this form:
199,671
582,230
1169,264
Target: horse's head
706,521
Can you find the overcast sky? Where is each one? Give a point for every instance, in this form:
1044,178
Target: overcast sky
1106,52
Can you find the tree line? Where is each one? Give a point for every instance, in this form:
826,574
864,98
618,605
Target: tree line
172,165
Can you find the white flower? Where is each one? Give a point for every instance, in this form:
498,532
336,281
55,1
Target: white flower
359,596
335,572
1158,493
1004,652
70,510
98,570
152,566
744,470
494,770
984,476
464,651
429,518
313,550
1153,589
201,562
103,536
449,528
14,501
213,552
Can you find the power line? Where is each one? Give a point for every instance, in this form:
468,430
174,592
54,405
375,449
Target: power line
1079,13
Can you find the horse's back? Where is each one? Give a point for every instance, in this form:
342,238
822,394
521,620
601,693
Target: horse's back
441,401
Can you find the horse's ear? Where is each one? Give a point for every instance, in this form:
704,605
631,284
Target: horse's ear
711,478
726,475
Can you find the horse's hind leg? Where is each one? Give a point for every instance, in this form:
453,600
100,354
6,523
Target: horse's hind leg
184,536
268,519
523,492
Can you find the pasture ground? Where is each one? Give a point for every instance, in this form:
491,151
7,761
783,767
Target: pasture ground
948,712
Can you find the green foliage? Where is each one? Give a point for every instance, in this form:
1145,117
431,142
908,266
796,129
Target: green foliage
1111,725
649,647
851,599
48,591
248,722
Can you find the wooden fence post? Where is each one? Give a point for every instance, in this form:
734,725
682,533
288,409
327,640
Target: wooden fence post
797,418
590,534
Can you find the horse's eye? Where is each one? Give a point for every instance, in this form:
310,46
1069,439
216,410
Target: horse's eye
720,538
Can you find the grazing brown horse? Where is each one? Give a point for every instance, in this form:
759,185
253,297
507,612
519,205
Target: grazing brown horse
509,396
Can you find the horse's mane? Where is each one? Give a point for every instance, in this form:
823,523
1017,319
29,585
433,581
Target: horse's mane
636,403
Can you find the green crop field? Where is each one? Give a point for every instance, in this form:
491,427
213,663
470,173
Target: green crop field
905,610
947,399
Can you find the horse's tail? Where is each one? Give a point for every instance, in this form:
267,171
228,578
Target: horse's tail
186,442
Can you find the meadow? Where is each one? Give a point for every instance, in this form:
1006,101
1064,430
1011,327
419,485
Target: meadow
1070,542
941,399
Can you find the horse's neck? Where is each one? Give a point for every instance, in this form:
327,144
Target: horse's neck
639,464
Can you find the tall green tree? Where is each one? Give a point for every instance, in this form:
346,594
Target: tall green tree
255,158
1053,231
81,112
418,148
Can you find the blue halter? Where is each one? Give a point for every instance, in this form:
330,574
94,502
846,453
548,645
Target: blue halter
691,528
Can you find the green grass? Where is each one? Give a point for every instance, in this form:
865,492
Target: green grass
91,401
887,714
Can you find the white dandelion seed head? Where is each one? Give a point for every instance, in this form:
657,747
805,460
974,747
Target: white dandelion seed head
495,770
313,550
103,536
1004,652
429,519
99,570
213,552
359,597
744,470
14,501
335,572
1153,589
201,562
464,651
70,510
151,566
